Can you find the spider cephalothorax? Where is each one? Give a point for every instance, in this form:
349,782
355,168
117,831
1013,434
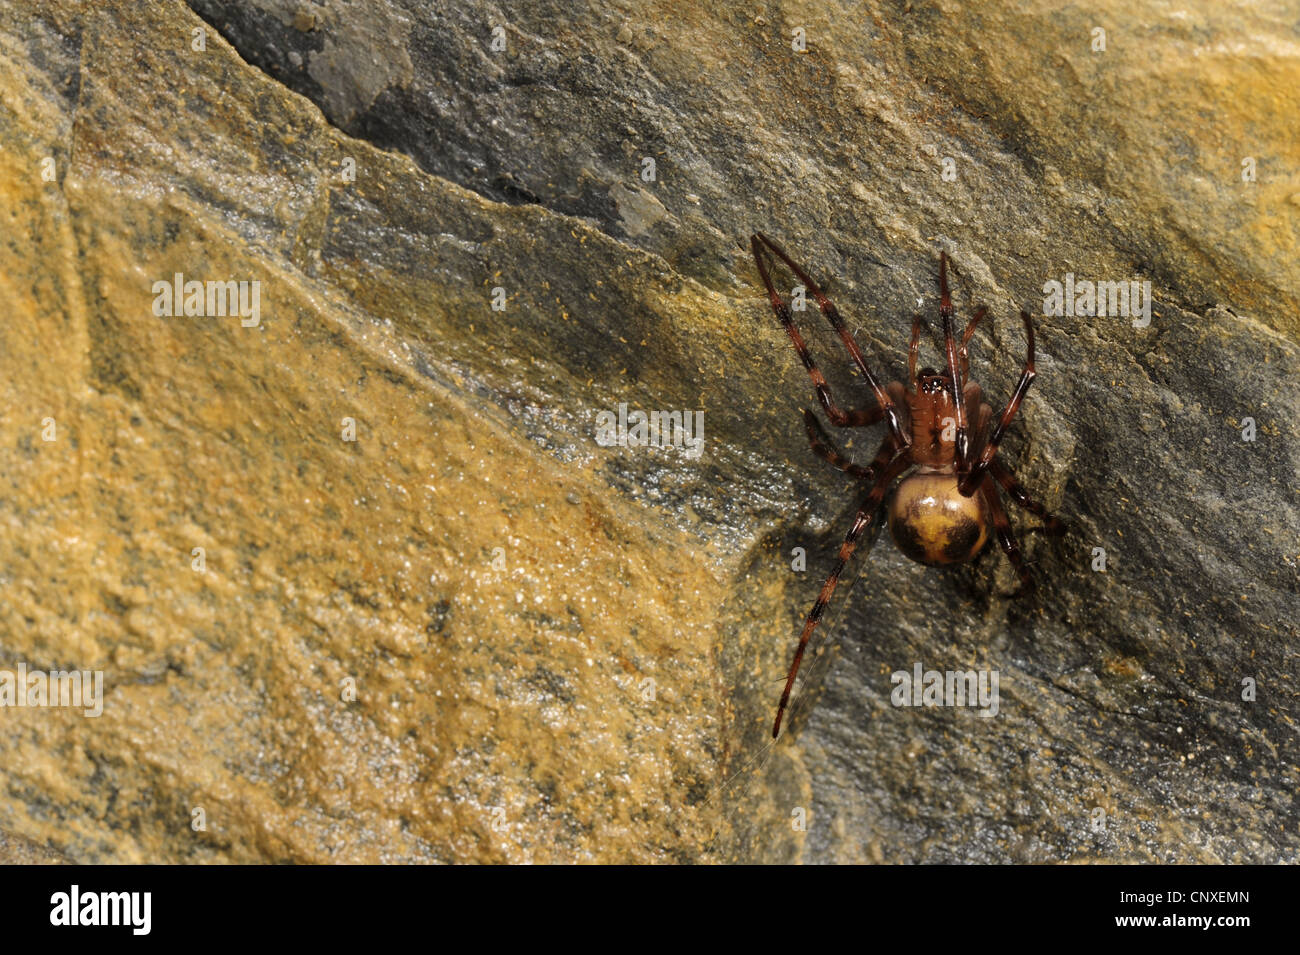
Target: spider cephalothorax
939,442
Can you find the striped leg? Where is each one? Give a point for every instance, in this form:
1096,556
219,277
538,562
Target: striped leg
973,479
1007,478
913,352
955,367
1006,539
966,337
825,449
898,463
886,408
914,349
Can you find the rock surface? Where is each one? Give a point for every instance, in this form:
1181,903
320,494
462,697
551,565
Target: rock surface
473,633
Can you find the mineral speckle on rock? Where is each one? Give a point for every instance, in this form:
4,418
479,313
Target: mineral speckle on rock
362,583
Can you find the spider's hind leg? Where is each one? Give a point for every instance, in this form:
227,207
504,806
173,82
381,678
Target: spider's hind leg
898,462
1006,539
1007,478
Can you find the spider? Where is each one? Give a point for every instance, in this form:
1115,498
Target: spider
942,511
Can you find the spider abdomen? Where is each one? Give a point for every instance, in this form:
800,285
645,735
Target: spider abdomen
933,523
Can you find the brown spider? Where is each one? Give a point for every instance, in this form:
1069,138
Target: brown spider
941,512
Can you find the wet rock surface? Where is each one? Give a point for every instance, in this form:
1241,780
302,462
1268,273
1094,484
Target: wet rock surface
463,629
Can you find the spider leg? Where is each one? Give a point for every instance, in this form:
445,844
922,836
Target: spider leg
971,481
1006,539
844,419
966,337
913,351
954,367
825,449
1007,478
887,409
866,512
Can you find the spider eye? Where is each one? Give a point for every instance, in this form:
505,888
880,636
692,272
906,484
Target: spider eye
934,384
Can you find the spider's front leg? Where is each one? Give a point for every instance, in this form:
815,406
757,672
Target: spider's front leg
954,366
886,408
825,448
963,351
898,462
973,479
